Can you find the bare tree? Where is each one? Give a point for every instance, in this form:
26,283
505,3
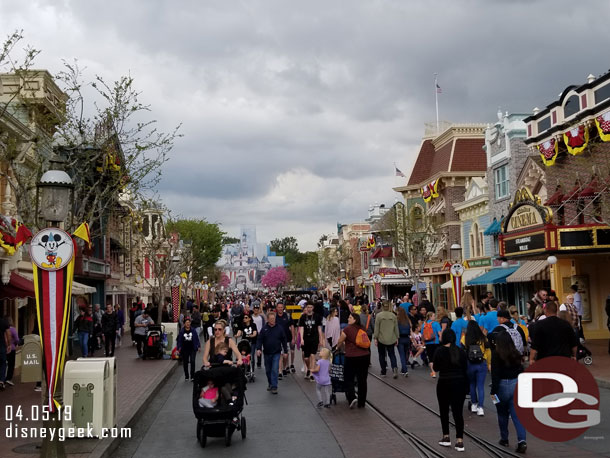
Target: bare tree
415,236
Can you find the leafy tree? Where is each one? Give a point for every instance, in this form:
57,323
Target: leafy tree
287,247
230,240
305,268
205,240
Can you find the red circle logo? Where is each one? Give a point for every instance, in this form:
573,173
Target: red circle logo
557,399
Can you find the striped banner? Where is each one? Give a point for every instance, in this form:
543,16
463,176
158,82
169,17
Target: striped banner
53,290
176,302
198,297
456,283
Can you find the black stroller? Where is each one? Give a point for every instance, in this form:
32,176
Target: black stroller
245,348
336,375
153,347
226,417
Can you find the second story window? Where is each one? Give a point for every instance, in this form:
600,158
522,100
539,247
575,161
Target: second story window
501,181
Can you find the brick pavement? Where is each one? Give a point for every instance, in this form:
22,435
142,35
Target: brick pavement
137,381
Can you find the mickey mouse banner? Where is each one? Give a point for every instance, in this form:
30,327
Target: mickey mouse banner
52,252
548,151
456,271
603,126
576,139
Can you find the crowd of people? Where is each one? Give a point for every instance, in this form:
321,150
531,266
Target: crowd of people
459,349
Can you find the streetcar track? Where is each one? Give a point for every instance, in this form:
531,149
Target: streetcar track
489,447
422,448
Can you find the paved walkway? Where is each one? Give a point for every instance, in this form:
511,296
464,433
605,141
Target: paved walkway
137,382
283,425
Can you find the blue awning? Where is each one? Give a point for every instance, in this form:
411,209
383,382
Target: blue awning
494,228
422,286
493,277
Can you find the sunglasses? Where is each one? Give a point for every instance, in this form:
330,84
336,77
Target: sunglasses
218,329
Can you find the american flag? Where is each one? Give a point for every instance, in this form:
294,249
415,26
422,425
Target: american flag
438,89
399,173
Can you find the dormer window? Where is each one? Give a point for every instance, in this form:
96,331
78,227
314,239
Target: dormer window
571,107
544,124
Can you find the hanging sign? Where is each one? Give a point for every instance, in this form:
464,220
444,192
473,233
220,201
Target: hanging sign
52,254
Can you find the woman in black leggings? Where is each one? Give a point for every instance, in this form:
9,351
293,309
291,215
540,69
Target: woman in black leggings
451,364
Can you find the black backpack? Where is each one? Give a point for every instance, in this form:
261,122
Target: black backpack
475,355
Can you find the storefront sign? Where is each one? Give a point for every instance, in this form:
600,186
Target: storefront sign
472,263
526,244
390,271
524,217
525,212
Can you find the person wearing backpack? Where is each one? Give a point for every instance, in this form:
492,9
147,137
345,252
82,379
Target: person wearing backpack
479,362
505,369
357,346
515,332
431,333
386,338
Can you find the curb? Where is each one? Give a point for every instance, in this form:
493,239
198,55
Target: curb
109,445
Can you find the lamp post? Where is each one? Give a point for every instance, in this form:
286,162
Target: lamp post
455,252
54,193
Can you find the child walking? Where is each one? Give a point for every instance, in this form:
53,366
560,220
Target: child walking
321,374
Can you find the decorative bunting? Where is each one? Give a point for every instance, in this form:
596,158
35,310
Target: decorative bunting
548,151
603,126
434,189
430,191
576,139
52,252
82,232
12,234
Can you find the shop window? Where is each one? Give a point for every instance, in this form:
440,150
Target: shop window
481,244
496,245
602,93
571,107
475,244
501,181
417,217
544,124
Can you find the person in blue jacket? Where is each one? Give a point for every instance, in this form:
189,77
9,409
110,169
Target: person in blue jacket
188,345
431,344
272,339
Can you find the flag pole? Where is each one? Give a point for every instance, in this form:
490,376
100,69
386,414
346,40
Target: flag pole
436,100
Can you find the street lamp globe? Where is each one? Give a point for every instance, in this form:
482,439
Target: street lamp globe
456,251
54,189
552,260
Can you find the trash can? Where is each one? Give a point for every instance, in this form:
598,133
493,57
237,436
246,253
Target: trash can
111,414
86,392
171,329
31,359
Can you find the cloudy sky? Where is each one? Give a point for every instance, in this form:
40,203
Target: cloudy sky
293,112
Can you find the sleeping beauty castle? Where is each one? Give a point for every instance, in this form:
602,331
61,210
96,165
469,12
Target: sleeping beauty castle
246,262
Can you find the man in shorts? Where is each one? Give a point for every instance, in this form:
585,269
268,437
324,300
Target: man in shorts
283,320
310,327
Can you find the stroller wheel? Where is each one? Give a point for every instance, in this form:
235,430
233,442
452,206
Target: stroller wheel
588,360
243,427
228,433
201,437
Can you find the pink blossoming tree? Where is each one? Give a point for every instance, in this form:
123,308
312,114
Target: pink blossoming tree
276,278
